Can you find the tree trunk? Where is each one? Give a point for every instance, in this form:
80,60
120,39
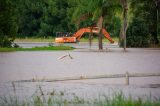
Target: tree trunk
90,37
158,15
100,24
124,29
157,8
100,41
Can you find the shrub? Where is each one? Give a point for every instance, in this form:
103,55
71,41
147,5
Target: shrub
5,41
138,34
8,25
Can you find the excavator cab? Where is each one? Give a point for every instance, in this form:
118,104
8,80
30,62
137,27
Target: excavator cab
63,34
64,37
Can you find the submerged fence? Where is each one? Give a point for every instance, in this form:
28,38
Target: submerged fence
126,76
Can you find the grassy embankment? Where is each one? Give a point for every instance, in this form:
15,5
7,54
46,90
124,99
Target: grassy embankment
52,39
59,99
49,48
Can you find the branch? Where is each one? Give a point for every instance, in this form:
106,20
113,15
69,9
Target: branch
83,17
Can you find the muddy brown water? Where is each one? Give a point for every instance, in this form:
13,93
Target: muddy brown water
46,64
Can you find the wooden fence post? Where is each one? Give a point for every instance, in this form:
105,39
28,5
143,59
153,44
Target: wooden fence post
127,78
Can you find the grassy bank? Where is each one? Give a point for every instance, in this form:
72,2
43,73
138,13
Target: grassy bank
59,99
34,40
52,39
49,48
53,97
115,39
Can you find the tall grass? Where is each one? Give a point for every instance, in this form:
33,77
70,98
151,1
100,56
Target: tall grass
62,98
59,99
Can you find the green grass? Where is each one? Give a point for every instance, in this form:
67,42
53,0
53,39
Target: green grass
115,39
49,48
52,39
34,40
59,99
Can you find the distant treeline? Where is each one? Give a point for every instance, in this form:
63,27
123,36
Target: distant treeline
43,18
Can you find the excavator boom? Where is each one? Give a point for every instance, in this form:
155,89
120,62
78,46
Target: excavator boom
77,36
106,34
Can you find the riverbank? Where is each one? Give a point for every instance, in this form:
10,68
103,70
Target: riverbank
44,48
115,39
59,99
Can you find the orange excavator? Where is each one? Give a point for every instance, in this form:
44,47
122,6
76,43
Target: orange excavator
77,36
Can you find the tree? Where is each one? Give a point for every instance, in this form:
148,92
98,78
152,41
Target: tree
97,10
54,18
157,3
138,34
124,4
29,16
147,11
114,26
41,17
8,26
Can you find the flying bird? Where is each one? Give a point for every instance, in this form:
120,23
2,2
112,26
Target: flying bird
64,56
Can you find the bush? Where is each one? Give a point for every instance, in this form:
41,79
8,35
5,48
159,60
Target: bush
159,32
114,27
8,26
138,34
5,43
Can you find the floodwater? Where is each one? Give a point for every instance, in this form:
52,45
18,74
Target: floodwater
47,65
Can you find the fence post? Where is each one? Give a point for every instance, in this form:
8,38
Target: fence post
127,78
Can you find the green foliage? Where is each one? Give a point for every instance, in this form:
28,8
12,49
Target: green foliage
29,13
42,18
138,34
38,101
114,26
117,99
146,10
54,17
8,26
94,9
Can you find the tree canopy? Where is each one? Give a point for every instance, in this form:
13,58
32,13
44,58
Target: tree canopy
8,25
43,18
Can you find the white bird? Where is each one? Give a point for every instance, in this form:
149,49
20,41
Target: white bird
66,55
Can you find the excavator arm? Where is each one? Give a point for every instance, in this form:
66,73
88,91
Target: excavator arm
80,32
106,34
77,36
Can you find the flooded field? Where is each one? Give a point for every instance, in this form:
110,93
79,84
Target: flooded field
16,66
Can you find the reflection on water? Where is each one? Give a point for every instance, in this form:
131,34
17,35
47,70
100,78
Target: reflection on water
29,65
